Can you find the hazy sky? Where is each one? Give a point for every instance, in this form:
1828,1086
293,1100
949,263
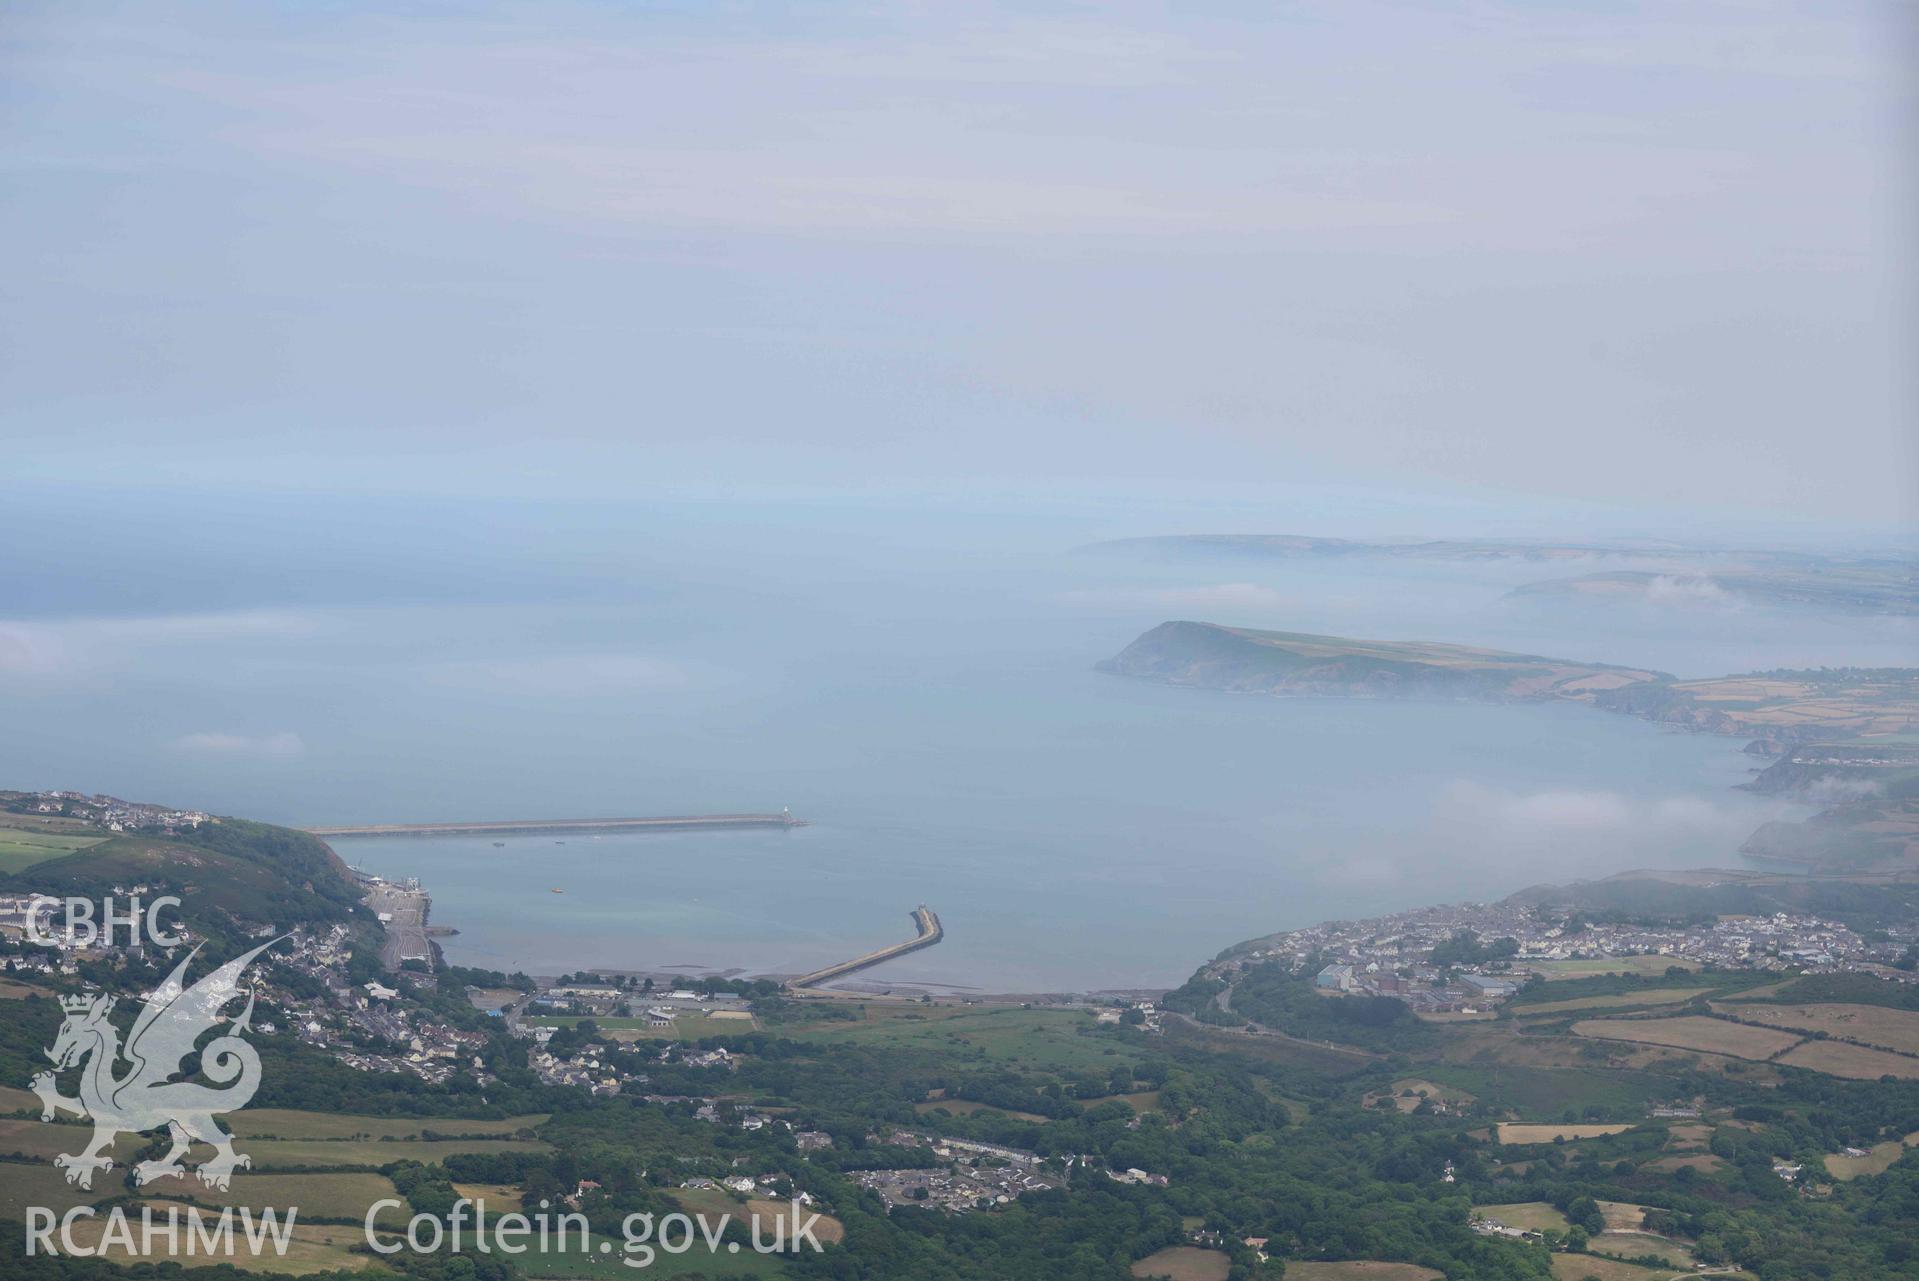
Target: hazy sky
1657,254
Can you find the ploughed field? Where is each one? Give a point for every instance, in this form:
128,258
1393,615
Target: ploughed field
1520,1132
1854,1062
1874,1025
1693,1032
1804,1039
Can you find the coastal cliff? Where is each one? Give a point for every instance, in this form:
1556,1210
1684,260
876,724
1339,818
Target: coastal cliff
1871,789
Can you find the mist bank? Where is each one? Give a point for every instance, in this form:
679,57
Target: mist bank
1839,581
1846,713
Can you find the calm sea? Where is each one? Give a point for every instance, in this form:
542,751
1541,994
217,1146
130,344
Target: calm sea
1116,835
927,703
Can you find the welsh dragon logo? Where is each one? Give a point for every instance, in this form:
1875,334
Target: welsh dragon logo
146,1097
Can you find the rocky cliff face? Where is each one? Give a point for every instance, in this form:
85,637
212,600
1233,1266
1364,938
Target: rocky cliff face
1669,706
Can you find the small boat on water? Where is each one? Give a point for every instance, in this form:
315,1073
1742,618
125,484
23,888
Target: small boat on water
499,845
559,891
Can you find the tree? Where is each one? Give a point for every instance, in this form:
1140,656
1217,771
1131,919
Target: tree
1584,1212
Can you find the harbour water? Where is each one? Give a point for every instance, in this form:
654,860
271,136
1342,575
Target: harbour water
1128,834
923,693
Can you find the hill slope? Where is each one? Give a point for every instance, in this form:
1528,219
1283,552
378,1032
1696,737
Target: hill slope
254,872
1780,707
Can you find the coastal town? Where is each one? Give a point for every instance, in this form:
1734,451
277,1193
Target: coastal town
382,1000
1465,959
109,813
313,988
971,1176
1460,960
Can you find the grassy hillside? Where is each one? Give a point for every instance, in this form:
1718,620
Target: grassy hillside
252,871
1783,707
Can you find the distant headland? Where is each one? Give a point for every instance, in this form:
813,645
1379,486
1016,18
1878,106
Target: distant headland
1845,736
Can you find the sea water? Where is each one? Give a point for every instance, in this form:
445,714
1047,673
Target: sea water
924,696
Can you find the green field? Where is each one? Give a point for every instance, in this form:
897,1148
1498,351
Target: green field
1184,1263
313,1248
1142,1102
1578,1267
494,1198
1534,1216
297,1154
339,1197
1311,1056
20,848
35,1140
1614,1001
1360,1270
1545,1093
1877,1160
1040,1039
283,1123
36,1183
967,1107
710,1203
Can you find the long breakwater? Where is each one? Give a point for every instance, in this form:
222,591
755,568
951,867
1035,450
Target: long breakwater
551,826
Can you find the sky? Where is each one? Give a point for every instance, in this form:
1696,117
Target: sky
1644,256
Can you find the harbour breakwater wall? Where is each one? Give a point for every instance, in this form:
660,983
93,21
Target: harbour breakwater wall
551,826
930,932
